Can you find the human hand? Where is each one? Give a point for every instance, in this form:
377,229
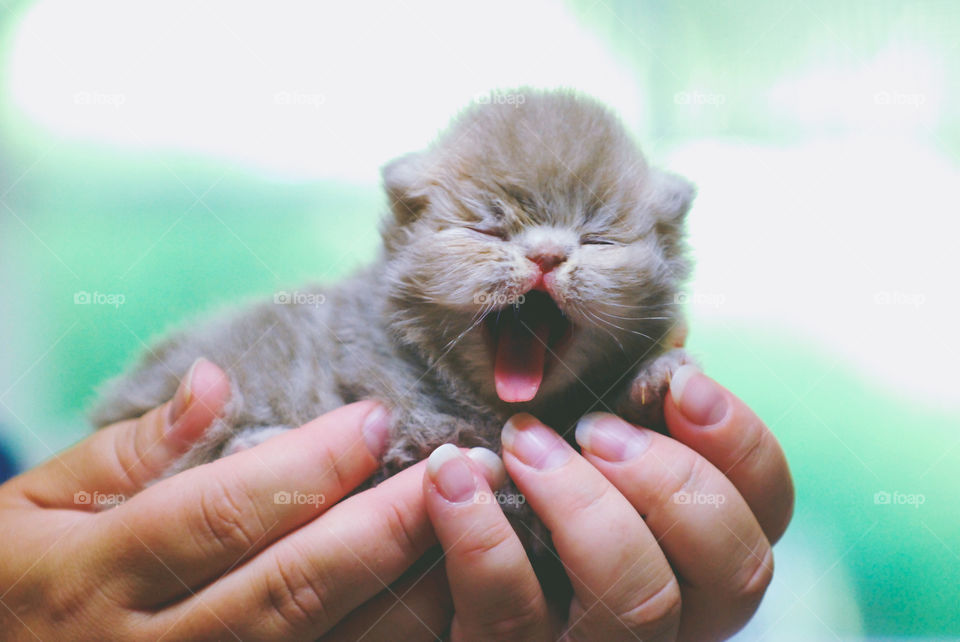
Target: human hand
212,552
662,537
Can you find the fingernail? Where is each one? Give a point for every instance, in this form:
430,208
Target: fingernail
376,430
533,443
492,463
610,437
698,397
183,396
451,474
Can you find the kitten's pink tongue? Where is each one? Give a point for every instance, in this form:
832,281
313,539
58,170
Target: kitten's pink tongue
518,368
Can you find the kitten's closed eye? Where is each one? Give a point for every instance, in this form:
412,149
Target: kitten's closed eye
497,233
491,232
597,240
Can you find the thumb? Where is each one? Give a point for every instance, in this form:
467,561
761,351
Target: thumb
122,458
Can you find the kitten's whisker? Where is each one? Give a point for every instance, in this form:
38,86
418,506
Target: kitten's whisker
476,320
614,325
615,316
606,321
582,310
640,306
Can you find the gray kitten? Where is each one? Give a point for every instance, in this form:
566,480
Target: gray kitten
531,262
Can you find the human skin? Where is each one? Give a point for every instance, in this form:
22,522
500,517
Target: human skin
211,553
663,537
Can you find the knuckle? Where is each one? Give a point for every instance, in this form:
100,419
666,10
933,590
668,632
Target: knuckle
69,604
228,517
64,601
757,577
130,453
777,526
753,443
401,534
588,499
689,474
332,466
484,542
660,611
522,624
296,597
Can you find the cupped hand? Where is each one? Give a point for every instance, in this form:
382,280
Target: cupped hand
252,546
662,537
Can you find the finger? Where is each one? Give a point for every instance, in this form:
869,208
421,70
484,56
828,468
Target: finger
205,520
706,529
118,461
496,594
712,421
624,587
416,607
305,583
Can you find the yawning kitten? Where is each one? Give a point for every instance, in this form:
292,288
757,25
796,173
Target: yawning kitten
531,262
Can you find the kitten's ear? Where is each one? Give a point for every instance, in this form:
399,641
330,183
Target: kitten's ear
669,195
406,184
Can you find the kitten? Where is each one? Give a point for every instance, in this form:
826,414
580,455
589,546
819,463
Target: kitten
531,262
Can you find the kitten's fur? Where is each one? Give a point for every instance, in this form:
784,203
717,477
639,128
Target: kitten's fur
557,170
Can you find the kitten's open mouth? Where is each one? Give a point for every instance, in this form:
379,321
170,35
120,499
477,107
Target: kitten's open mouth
520,337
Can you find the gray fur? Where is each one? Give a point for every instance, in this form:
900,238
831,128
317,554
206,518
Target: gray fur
403,330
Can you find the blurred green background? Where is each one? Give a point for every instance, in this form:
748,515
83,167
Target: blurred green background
163,159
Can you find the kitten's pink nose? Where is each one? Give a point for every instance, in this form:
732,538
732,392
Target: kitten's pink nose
547,258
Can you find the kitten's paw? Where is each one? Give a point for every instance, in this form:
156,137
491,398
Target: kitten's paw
643,403
250,437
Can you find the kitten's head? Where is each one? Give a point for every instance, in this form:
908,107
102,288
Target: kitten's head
531,246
